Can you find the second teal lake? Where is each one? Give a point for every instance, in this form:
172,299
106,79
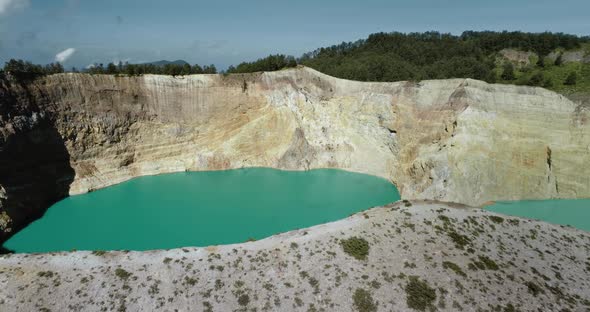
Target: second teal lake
572,212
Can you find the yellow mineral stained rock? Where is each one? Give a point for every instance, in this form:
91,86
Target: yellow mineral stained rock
457,140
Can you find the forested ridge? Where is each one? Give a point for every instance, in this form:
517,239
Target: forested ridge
405,56
430,55
433,55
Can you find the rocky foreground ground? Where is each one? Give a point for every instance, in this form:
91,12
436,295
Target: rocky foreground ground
424,256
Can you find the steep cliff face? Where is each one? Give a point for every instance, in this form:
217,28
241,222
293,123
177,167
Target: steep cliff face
456,140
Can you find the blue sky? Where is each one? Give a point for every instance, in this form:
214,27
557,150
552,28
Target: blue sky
225,32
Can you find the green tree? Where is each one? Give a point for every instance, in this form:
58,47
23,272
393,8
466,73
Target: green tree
24,71
172,69
99,69
196,69
131,69
209,69
541,61
536,79
111,69
269,63
571,79
139,70
13,66
431,55
548,83
508,71
186,69
53,68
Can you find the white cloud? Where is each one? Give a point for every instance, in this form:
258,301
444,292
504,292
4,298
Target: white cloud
10,5
64,55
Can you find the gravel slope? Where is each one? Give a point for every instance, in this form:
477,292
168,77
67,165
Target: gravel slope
422,256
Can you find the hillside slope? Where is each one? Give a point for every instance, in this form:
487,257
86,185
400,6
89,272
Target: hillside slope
421,256
481,55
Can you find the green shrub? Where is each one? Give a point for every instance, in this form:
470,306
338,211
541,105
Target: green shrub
508,72
122,274
356,247
489,263
243,300
460,240
484,263
496,219
48,274
536,79
454,267
571,79
548,83
298,301
191,281
363,301
419,295
534,288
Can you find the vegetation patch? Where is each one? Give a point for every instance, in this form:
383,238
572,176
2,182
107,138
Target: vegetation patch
484,263
356,247
298,301
99,253
47,274
122,274
419,295
315,284
534,288
454,267
488,263
243,300
363,301
460,240
190,281
496,219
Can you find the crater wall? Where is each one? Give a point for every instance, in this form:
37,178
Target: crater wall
457,140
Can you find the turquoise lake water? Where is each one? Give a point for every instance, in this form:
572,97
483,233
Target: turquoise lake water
201,209
573,212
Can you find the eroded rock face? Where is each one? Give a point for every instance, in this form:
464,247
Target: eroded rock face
457,140
571,56
521,58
